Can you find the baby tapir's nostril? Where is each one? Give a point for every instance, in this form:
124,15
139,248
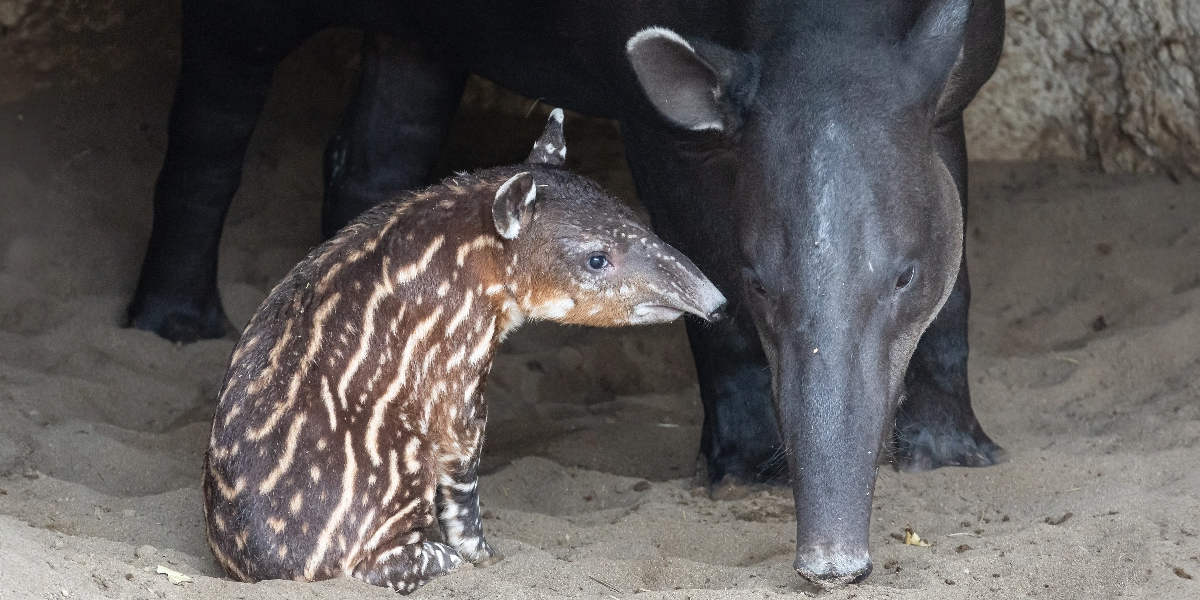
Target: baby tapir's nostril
717,316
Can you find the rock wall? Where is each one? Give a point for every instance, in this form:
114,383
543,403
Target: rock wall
1116,81
45,43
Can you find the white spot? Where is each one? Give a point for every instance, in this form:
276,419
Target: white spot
411,464
553,309
456,358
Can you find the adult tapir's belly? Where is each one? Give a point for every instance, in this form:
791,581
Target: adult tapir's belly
565,53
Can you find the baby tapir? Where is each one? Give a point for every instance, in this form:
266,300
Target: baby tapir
352,412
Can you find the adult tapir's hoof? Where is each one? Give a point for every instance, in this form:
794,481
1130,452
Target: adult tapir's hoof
831,570
180,322
920,447
936,427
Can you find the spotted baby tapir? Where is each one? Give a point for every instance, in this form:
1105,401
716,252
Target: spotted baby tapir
352,414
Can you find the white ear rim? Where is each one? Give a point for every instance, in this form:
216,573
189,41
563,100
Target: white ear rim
667,34
531,194
513,227
557,115
707,126
504,186
656,32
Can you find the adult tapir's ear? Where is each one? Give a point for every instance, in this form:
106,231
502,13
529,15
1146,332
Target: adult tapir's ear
694,84
513,199
551,148
935,42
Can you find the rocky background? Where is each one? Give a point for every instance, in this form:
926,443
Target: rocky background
1116,81
1111,81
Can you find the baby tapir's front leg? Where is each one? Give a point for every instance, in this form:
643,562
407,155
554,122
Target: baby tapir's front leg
458,511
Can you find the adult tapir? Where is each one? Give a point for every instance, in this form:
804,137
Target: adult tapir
807,154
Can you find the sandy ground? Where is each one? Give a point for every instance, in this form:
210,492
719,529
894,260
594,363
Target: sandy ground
1086,367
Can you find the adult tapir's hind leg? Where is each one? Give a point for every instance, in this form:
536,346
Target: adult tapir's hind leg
393,128
935,425
229,54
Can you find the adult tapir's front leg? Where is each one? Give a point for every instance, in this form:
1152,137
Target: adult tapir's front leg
229,55
390,136
935,425
740,439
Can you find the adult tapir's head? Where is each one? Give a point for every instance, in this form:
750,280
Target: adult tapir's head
848,229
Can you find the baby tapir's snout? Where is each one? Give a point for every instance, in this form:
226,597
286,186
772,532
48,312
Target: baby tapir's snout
674,285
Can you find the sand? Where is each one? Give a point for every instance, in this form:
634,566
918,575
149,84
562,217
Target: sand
1086,368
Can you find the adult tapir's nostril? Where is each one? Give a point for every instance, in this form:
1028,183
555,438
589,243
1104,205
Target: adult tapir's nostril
831,570
717,316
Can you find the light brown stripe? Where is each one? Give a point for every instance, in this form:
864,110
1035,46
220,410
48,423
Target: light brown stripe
335,519
285,461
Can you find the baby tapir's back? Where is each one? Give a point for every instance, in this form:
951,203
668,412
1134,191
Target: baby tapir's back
329,419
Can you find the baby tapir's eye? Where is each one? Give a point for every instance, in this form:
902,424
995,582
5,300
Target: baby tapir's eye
597,261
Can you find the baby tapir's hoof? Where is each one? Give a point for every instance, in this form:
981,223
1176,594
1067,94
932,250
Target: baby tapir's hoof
485,559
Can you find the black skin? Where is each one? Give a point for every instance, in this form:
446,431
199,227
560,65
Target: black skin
808,96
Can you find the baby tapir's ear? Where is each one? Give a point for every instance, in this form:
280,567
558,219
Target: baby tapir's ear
551,148
513,199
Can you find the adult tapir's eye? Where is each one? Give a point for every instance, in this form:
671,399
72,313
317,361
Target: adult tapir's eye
597,261
758,287
905,278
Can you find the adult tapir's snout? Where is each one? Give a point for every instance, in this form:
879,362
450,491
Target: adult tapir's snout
831,567
834,413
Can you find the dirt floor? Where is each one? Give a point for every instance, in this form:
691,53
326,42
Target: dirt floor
1086,367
